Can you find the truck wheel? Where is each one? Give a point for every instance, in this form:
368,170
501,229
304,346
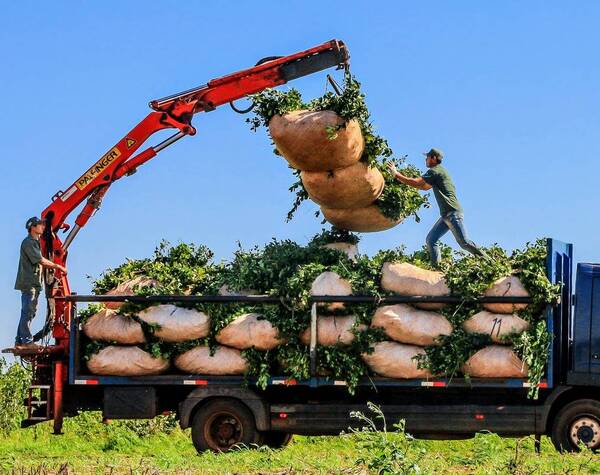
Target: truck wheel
221,424
577,423
276,440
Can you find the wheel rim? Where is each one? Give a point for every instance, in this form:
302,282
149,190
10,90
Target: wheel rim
585,430
223,430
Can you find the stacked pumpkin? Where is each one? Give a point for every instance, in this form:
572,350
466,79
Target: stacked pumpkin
327,151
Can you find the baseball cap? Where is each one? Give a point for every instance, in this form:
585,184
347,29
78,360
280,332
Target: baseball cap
33,221
434,152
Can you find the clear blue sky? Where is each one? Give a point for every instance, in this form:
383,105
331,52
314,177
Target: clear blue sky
509,90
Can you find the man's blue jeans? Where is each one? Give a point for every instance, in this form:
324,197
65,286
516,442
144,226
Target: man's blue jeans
29,301
452,221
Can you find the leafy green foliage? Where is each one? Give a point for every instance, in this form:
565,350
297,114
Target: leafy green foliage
333,235
529,264
421,258
86,313
93,347
398,201
345,363
158,446
386,452
270,103
294,360
178,269
454,350
166,424
471,275
532,347
14,381
341,363
260,364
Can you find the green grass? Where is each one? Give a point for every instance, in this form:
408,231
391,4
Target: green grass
90,447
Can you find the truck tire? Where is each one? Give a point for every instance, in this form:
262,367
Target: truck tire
276,440
221,424
578,422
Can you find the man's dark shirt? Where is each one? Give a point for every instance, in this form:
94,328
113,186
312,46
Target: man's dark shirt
443,189
29,275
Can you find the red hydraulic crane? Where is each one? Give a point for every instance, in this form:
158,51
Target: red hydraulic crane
172,112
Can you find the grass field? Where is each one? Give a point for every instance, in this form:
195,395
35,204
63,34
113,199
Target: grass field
91,447
159,446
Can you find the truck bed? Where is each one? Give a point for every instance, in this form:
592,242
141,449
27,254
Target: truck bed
559,271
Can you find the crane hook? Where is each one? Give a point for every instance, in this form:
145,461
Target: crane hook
248,109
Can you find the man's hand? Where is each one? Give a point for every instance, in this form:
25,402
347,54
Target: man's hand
61,268
52,265
392,168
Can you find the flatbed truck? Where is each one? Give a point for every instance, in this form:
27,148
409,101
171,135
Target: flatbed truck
222,411
226,410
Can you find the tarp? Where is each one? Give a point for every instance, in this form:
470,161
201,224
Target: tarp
250,330
406,324
223,362
395,360
302,138
406,279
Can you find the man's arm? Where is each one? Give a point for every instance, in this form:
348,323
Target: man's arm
35,257
418,183
52,265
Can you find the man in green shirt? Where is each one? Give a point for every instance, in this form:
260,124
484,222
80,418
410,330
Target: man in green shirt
451,219
29,279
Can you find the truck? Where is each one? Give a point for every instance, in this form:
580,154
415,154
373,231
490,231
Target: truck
224,411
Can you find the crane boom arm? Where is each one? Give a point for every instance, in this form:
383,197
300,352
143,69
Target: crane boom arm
175,112
172,112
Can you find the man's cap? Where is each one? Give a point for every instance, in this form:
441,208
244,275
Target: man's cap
33,221
435,152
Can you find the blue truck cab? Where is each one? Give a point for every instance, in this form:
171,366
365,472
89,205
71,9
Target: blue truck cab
584,356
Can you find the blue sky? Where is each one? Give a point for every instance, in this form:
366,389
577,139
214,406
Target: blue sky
509,90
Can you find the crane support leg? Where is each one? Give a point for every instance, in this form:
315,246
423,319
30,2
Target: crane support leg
58,397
